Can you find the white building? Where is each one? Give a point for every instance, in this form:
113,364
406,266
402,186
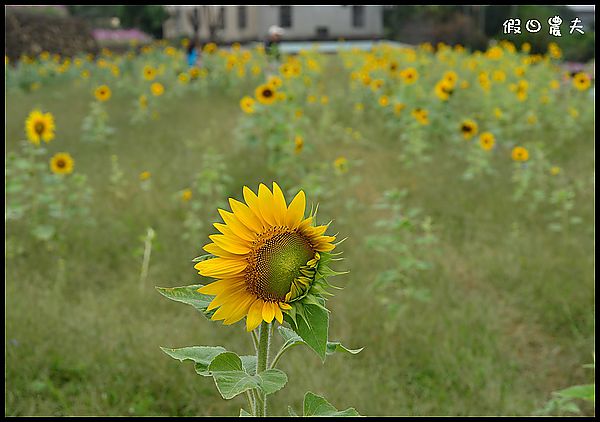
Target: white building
251,23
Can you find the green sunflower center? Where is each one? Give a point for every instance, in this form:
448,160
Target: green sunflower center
276,263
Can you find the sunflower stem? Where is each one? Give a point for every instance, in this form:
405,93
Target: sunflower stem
261,365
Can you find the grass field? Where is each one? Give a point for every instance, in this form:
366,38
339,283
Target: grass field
510,314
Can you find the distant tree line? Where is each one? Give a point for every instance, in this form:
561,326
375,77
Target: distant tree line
146,18
475,26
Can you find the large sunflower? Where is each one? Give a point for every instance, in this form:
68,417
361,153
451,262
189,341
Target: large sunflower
39,126
267,260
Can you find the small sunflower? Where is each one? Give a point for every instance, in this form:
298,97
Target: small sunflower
581,81
62,163
194,73
324,99
268,260
468,128
398,107
487,141
410,75
520,154
421,115
384,101
186,195
103,93
443,90
266,94
183,78
247,104
555,170
145,175
39,126
451,77
298,144
341,165
157,89
149,73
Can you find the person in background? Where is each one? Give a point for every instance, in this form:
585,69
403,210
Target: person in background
193,54
272,45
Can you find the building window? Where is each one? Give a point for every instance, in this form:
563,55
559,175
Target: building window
221,18
285,16
241,17
358,16
322,32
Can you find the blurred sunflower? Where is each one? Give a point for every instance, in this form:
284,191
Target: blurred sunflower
186,195
384,101
421,115
443,90
247,104
555,170
468,128
398,107
266,94
149,73
520,154
298,144
487,141
39,126
157,89
145,175
409,75
103,93
581,81
268,259
62,163
341,165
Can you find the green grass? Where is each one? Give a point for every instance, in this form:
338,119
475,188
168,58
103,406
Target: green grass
511,317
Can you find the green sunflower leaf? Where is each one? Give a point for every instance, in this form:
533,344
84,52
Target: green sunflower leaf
584,392
190,296
312,325
203,257
336,346
317,406
201,355
230,378
291,339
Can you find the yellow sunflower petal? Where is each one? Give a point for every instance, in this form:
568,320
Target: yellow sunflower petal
246,216
265,201
284,306
228,296
268,313
240,310
217,287
229,245
295,212
219,267
254,317
254,204
280,206
237,226
278,313
230,234
213,249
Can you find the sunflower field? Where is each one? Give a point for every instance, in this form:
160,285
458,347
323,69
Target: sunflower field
458,184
